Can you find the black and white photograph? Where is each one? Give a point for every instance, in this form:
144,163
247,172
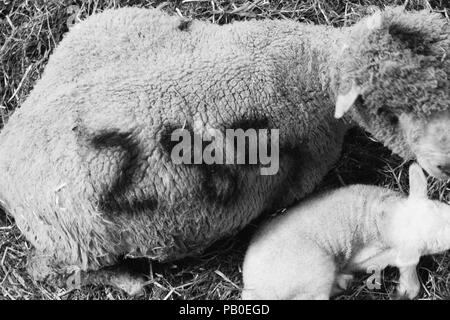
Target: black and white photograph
234,150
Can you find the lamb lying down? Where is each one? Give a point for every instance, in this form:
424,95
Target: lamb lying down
311,251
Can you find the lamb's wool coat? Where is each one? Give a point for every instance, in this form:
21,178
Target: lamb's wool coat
311,251
85,163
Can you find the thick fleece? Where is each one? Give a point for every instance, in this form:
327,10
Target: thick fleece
85,163
403,69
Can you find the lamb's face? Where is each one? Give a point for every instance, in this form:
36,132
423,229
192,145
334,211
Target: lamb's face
420,223
396,74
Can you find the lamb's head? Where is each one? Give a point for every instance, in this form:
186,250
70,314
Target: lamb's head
421,223
394,79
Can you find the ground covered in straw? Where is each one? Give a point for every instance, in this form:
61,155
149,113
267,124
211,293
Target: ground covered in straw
30,30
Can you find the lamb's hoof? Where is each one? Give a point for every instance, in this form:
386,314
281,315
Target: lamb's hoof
133,286
406,293
341,284
344,280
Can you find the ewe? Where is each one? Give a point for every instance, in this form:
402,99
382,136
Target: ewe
85,166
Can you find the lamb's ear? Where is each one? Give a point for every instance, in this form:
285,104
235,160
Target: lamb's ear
417,182
345,101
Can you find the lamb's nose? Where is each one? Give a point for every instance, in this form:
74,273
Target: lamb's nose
444,168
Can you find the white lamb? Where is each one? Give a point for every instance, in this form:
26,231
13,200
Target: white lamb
311,251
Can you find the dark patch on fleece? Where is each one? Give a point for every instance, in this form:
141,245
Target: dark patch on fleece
297,156
167,144
218,183
255,123
388,115
165,139
115,198
184,24
414,40
250,123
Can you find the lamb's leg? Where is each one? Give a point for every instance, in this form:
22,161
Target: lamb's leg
319,278
409,284
342,283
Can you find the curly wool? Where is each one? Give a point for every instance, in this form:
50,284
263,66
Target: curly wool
86,168
402,67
